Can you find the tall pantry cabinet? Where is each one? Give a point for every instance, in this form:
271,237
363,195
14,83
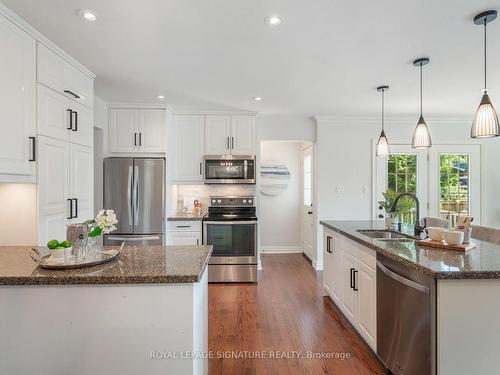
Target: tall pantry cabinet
46,106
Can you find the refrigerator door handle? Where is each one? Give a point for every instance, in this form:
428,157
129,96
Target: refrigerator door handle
129,195
135,194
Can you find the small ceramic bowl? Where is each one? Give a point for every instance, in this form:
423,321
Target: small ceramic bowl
453,237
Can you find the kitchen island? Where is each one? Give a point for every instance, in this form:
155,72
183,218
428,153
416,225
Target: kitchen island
463,294
146,312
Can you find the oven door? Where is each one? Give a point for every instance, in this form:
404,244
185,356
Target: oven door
229,170
234,242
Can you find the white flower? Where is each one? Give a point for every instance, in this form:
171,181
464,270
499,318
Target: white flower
106,220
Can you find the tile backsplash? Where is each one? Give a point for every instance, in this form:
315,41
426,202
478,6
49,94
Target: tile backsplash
203,192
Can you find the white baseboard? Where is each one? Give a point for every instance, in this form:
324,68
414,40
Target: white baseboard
318,266
280,249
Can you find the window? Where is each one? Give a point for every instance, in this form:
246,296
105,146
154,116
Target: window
307,180
454,183
402,173
402,178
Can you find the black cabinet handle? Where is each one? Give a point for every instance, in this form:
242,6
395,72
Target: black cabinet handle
232,142
354,280
328,246
76,207
228,147
33,148
70,119
140,139
380,216
76,122
201,170
197,241
135,139
70,208
72,93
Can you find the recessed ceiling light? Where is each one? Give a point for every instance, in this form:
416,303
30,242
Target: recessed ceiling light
161,97
87,15
257,98
274,20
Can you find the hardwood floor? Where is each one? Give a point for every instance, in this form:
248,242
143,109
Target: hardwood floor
284,312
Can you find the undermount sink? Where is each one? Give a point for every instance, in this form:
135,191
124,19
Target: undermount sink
385,235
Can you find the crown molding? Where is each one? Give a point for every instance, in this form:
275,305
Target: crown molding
40,38
119,105
194,112
374,120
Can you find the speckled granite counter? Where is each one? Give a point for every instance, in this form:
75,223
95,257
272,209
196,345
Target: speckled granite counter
135,265
482,262
185,217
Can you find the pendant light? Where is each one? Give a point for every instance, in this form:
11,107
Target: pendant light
485,123
421,135
382,144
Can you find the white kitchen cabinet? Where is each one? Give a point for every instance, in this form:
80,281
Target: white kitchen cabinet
17,104
229,134
55,72
137,130
217,134
61,118
349,300
81,182
366,282
242,135
53,188
184,232
185,239
123,129
152,130
188,148
350,280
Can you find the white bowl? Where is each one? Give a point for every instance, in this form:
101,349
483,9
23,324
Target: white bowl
453,237
435,233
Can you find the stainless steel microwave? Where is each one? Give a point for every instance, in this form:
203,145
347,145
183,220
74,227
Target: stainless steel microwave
229,169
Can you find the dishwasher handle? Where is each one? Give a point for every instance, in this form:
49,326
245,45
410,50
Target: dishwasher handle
403,280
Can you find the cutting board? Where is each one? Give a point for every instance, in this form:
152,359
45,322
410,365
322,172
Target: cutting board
444,246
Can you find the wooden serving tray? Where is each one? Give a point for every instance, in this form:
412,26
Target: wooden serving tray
444,246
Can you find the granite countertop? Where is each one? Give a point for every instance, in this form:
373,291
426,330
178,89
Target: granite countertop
135,265
184,217
482,262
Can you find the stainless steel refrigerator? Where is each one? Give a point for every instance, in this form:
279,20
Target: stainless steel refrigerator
135,189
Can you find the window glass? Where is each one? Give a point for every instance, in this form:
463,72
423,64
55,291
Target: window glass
402,178
454,173
307,180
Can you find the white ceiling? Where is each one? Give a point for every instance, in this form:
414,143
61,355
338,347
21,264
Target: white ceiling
325,59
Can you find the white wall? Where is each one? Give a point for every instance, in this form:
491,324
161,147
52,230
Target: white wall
345,157
100,148
280,216
18,214
276,127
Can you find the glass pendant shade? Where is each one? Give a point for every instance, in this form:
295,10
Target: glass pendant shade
485,123
421,135
382,145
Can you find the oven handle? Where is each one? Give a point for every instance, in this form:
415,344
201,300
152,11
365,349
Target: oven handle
230,222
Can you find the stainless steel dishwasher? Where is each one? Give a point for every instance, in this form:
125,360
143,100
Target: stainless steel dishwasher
406,319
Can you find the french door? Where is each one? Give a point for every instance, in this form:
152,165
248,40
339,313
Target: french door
446,178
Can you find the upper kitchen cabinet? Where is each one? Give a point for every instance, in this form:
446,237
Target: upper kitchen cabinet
17,104
64,78
137,130
187,147
242,135
217,134
61,118
229,134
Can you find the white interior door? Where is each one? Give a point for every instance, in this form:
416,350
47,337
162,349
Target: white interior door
307,203
383,170
455,181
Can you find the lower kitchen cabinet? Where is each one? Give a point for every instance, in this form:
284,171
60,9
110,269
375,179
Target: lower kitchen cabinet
351,282
184,233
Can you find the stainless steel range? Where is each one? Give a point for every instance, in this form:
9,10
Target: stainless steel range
231,227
